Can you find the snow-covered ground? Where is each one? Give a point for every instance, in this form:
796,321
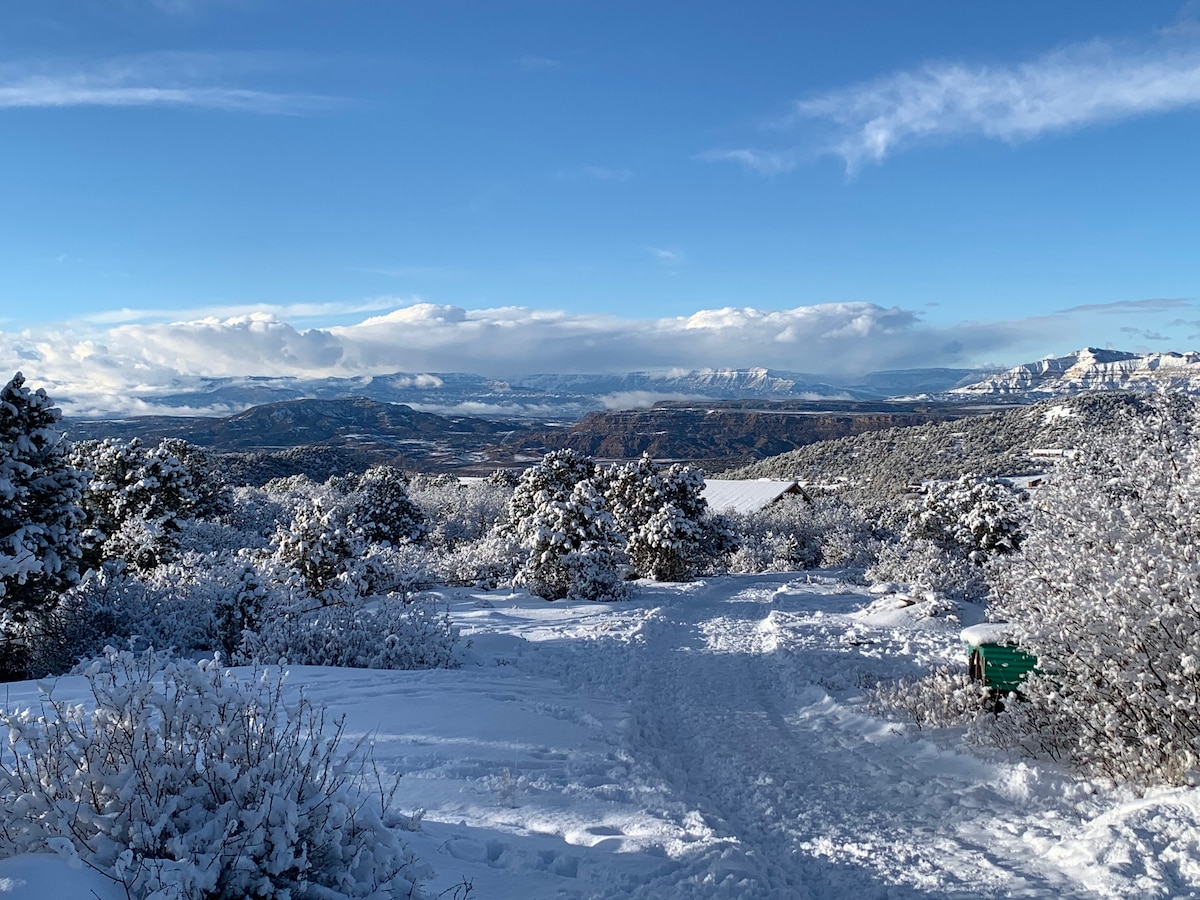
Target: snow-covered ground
710,740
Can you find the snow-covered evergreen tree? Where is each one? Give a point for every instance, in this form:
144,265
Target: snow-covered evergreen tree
669,532
562,521
138,498
979,516
1106,593
40,514
552,479
323,550
380,508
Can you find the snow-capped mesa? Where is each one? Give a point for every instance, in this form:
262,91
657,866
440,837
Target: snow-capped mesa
1090,369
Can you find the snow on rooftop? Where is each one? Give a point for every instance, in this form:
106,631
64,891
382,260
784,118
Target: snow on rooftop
989,633
745,496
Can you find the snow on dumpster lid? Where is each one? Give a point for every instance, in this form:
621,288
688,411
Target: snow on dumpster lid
744,496
989,633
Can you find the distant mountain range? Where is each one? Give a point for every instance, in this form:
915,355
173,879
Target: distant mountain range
1089,370
718,417
566,397
546,397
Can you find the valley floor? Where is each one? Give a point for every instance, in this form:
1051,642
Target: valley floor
711,741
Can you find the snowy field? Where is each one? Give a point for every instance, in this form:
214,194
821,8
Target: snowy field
710,741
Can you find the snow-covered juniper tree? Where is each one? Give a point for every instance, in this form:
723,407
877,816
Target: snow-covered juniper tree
381,510
977,515
323,551
40,515
1106,593
137,498
562,521
664,517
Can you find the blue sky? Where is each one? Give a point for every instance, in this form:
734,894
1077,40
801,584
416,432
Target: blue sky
813,186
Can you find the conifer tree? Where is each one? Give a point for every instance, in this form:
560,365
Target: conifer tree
40,493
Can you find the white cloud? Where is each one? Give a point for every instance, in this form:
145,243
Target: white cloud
764,162
1071,88
96,367
1121,307
667,255
128,315
194,7
165,79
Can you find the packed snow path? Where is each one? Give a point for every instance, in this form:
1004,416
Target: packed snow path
735,696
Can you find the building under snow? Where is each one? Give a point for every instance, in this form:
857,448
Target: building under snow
747,496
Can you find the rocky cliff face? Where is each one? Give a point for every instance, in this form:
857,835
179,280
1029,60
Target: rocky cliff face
1091,369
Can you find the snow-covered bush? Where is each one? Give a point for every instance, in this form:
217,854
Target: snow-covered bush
40,513
1106,594
780,537
383,635
458,513
980,517
486,563
669,533
380,509
944,698
573,548
189,783
405,569
925,565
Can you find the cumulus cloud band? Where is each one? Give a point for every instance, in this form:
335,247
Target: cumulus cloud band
98,367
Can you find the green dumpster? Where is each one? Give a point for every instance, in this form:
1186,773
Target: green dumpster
994,657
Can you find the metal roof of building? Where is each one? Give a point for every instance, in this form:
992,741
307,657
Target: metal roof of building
745,496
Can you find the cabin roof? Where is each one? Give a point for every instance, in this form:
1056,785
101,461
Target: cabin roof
746,496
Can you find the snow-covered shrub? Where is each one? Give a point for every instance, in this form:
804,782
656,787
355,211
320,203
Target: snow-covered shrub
169,607
981,517
189,783
383,635
323,551
256,515
766,551
40,513
403,569
780,537
1106,594
925,565
487,563
458,513
849,536
380,509
573,547
669,533
104,608
944,698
